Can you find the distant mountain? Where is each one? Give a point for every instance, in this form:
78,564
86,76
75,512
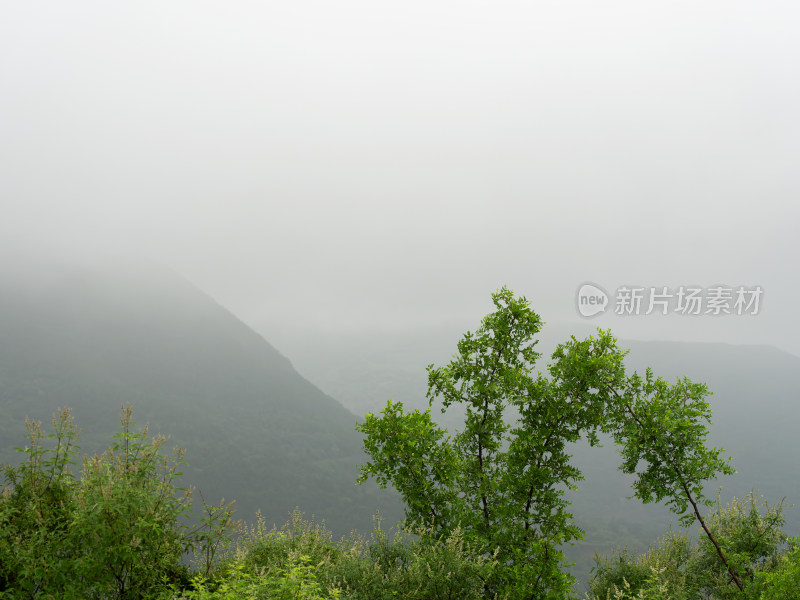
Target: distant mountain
755,402
254,429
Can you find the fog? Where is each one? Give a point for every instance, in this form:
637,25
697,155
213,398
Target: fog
357,166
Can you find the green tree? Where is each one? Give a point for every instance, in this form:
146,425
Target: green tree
503,485
503,477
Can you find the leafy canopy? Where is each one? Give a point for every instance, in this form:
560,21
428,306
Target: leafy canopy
503,477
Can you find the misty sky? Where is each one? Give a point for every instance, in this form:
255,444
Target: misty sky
357,165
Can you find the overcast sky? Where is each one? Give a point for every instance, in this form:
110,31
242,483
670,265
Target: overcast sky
352,165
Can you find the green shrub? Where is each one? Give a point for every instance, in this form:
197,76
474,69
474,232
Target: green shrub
749,532
36,507
417,564
298,581
621,571
656,586
260,547
783,581
414,564
127,524
117,532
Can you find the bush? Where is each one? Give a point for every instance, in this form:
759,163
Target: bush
127,522
783,581
119,531
656,586
36,545
621,571
749,531
296,582
414,564
417,564
259,547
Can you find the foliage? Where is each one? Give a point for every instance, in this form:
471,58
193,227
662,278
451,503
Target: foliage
656,424
750,531
214,534
655,587
503,484
298,581
36,508
260,547
623,571
127,516
630,575
418,564
783,581
117,531
660,426
414,564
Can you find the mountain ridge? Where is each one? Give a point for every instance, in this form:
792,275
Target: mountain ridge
253,427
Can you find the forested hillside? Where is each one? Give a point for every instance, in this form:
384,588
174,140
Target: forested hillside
254,430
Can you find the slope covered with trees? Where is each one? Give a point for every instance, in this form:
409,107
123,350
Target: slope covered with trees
254,430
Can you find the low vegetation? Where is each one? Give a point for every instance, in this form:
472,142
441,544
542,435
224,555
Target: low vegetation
119,528
681,567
